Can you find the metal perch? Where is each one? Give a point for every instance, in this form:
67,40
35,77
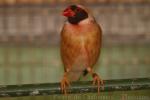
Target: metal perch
76,87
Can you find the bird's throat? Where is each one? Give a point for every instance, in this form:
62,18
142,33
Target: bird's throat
73,20
77,18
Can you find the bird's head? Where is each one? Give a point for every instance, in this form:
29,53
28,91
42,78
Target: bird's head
75,14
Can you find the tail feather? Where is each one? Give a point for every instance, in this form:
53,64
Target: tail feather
85,72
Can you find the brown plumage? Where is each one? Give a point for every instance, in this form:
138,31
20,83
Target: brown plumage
81,39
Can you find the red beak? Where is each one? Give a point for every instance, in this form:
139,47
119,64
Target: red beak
68,13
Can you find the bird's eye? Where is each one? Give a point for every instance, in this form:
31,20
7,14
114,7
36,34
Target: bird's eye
78,9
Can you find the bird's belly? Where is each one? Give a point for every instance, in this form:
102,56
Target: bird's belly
78,66
80,61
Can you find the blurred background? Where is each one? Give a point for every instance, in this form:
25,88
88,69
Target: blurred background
30,35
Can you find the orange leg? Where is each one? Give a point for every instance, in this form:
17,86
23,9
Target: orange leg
96,79
64,83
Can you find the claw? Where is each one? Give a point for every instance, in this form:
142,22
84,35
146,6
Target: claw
97,80
64,84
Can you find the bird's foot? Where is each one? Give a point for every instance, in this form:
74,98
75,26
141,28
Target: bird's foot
98,81
64,84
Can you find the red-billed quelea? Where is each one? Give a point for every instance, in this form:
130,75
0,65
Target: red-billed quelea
81,39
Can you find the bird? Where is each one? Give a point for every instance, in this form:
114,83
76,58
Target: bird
80,45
